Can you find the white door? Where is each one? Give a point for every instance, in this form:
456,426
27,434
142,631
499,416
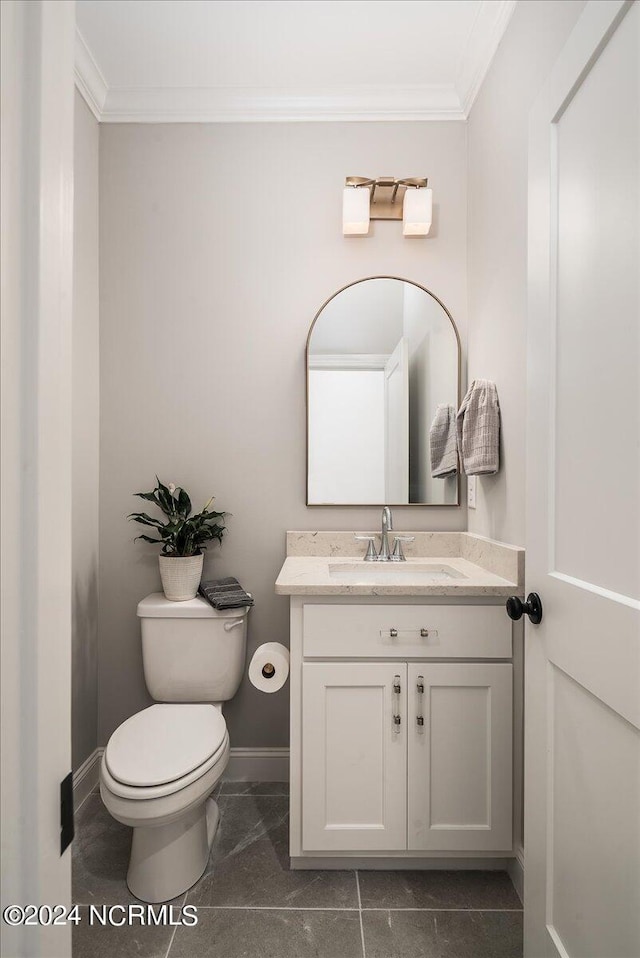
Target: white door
582,665
460,781
396,421
355,756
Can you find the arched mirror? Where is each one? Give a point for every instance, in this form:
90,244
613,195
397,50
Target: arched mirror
382,355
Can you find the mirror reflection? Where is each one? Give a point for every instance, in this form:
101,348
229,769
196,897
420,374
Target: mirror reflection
382,366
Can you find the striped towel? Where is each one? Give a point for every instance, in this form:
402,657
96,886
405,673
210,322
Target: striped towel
478,423
225,593
442,443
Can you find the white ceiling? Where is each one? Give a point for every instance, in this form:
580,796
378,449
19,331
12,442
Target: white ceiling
233,60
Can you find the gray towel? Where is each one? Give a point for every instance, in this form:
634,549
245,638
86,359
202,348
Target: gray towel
478,423
442,443
225,593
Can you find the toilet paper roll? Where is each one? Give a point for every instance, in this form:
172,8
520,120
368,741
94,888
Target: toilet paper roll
269,667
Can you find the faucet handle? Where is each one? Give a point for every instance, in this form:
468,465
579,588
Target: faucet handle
371,555
398,554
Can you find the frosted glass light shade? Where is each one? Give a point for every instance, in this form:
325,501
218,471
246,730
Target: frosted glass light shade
355,210
417,211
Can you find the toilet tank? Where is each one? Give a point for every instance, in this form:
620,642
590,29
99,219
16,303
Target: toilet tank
190,651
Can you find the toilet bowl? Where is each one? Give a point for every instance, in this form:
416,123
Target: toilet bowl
161,765
157,774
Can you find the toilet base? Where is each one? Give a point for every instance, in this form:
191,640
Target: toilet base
166,860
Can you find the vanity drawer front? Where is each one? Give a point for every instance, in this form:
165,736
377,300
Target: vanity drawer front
400,631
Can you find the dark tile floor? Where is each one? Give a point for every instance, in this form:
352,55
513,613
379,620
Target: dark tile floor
250,905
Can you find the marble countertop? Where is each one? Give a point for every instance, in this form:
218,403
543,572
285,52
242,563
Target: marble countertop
481,567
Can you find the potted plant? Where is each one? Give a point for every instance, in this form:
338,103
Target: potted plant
183,537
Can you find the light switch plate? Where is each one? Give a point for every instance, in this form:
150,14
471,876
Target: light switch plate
471,491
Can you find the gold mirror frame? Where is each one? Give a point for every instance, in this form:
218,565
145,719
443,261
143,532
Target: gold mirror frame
395,505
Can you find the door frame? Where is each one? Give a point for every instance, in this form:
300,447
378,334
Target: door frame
37,297
397,364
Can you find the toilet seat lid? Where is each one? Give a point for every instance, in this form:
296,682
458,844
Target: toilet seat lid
164,743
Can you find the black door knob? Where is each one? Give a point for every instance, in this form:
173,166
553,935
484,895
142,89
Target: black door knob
533,607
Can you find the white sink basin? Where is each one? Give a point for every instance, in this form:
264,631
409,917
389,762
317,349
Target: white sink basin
391,573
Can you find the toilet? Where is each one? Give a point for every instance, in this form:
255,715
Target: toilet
161,765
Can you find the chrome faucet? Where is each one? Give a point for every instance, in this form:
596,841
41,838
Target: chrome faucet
387,526
385,554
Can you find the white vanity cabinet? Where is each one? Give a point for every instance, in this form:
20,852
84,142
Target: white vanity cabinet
402,729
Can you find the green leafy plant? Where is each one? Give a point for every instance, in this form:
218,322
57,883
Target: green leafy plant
181,534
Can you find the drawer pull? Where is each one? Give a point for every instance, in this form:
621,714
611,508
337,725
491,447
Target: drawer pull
397,720
423,633
420,720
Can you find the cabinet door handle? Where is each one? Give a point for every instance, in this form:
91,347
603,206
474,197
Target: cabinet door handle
397,720
420,690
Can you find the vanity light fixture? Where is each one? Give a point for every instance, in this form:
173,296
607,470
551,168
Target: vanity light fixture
386,198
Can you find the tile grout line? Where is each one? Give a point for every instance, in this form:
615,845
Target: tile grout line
176,927
364,951
270,908
250,795
506,911
500,911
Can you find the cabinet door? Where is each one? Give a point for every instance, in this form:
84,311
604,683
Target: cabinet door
354,767
460,756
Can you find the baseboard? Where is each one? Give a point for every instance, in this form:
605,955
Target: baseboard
258,765
515,868
398,863
86,778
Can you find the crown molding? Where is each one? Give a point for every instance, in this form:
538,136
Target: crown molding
238,105
353,103
89,79
485,35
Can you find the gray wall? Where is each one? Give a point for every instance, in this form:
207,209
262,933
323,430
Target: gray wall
497,138
218,243
85,432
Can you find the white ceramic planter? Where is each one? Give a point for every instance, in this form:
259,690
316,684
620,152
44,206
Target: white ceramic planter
181,576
